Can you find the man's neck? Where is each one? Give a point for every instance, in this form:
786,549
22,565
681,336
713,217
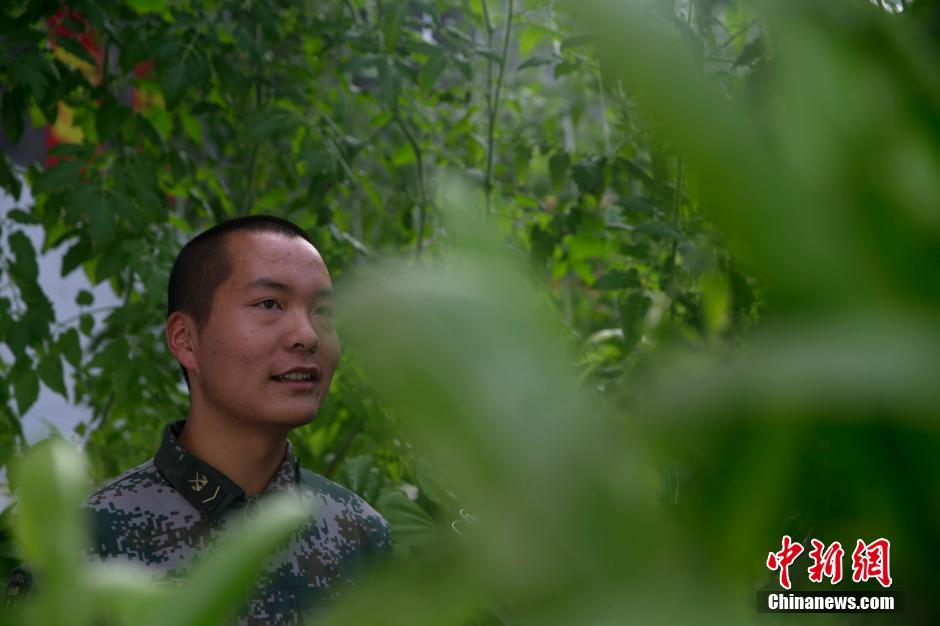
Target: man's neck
248,457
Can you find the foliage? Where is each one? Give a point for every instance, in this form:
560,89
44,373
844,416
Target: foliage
72,590
621,432
337,116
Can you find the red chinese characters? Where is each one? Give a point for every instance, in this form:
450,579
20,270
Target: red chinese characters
782,560
826,563
869,560
872,561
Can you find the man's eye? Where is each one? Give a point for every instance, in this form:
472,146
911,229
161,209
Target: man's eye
269,304
325,311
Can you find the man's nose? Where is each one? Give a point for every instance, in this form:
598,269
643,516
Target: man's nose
304,335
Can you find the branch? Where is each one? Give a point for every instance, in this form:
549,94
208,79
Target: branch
343,449
101,309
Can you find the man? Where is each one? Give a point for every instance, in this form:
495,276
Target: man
249,321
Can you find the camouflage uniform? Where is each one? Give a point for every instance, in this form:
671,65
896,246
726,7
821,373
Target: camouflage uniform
162,513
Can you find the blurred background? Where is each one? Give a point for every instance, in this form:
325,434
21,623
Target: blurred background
628,290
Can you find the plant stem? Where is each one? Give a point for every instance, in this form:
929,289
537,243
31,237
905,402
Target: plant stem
676,218
248,200
419,164
493,98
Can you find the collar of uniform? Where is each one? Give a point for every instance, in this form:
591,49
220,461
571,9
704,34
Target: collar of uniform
205,487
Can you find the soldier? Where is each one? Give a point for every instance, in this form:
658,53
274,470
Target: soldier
249,319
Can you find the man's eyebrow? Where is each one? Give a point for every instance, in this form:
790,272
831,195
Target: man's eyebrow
270,283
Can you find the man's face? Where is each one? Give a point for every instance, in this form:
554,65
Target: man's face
267,353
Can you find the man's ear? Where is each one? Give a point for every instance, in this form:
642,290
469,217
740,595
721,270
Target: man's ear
181,338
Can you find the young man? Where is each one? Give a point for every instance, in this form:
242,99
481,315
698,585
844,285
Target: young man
249,320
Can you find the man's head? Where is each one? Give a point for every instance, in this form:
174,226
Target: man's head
249,309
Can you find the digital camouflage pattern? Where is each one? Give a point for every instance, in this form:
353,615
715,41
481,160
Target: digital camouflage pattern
164,513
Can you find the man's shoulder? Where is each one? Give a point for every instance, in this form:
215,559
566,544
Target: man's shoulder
132,500
313,484
339,502
136,484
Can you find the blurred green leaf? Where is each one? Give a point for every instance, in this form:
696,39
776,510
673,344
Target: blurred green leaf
52,480
536,60
218,583
631,318
412,527
617,280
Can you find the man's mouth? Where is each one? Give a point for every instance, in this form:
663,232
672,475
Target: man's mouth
294,377
299,375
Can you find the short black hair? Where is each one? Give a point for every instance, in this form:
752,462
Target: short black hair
204,263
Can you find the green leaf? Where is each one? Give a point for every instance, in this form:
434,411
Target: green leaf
70,346
576,41
565,67
411,525
17,337
76,255
24,268
268,122
51,481
175,81
432,70
588,174
22,217
390,82
742,296
617,280
360,474
751,52
632,315
103,217
50,371
716,301
558,167
60,176
28,71
25,387
391,27
536,60
110,263
84,297
13,111
87,324
429,484
638,204
108,119
191,126
8,180
148,6
78,202
660,230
